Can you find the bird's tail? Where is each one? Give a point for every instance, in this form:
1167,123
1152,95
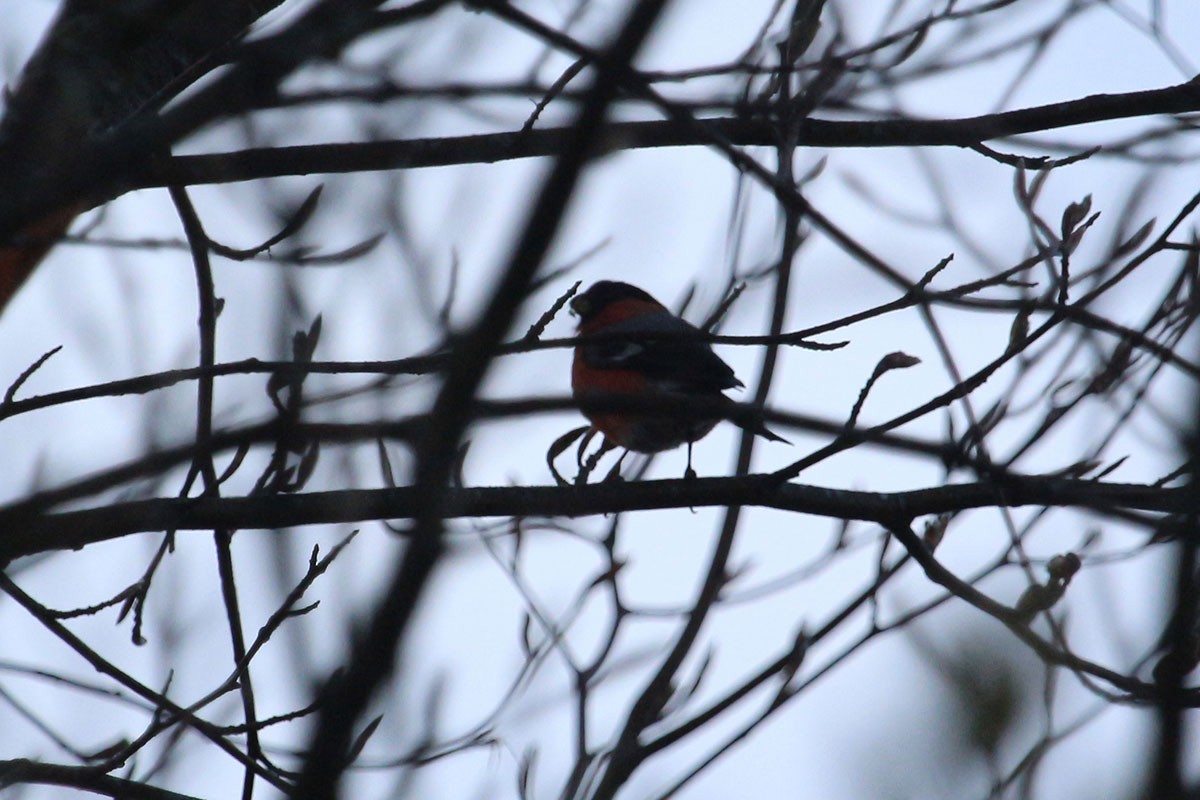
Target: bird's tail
751,420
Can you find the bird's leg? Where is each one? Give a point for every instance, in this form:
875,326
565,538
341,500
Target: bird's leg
690,474
590,463
614,474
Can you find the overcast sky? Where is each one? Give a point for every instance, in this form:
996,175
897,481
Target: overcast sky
879,724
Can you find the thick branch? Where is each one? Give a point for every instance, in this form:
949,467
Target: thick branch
258,163
30,534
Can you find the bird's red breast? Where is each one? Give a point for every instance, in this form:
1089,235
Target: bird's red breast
616,426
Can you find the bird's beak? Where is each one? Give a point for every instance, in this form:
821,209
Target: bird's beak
578,306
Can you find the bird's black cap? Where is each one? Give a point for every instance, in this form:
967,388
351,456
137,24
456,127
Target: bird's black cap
602,294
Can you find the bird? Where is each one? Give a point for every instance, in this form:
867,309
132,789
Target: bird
680,366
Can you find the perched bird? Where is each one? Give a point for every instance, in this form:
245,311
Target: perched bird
678,366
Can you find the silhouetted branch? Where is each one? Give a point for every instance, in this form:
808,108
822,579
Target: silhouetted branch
30,534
